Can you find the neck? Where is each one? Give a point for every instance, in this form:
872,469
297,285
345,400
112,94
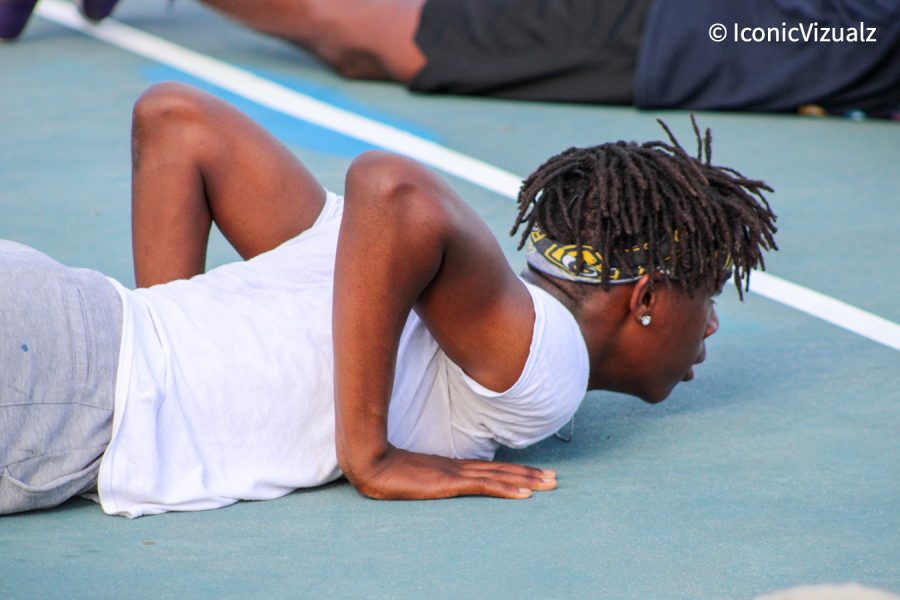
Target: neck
555,287
597,315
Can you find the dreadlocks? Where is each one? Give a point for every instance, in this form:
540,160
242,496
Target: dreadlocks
692,218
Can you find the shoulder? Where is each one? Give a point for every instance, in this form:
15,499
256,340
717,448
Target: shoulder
381,174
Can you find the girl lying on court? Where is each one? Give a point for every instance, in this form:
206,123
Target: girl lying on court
382,336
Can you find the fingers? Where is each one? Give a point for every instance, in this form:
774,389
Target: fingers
483,465
415,476
506,480
488,486
528,481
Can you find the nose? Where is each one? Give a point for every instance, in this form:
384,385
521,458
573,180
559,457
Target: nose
712,325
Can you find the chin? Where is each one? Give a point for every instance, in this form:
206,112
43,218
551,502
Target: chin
655,396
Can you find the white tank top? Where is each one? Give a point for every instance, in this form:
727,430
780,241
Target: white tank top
225,385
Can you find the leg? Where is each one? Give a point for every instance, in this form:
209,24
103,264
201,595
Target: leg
361,39
571,51
197,160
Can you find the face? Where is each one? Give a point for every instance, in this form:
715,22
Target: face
674,342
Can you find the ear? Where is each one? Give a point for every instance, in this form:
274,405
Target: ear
643,298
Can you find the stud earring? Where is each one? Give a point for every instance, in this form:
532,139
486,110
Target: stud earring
645,320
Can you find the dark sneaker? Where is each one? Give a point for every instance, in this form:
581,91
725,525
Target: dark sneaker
96,10
13,17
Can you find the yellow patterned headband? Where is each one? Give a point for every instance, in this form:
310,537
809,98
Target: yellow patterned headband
561,260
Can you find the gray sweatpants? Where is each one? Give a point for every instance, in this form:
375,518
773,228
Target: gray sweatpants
59,346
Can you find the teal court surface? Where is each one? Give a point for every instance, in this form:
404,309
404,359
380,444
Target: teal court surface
779,465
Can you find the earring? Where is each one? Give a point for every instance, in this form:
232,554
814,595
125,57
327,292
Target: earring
645,320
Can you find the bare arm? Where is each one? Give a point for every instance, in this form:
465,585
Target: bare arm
407,242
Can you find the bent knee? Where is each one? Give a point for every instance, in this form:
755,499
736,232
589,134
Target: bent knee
169,101
385,175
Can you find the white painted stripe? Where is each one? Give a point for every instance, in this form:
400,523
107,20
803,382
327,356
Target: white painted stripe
827,308
298,105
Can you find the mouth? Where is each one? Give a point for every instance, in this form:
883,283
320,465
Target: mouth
702,356
690,372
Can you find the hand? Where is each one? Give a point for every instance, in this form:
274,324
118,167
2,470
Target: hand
403,475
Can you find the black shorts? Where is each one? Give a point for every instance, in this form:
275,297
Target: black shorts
551,50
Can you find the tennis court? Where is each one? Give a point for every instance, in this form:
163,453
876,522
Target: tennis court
779,465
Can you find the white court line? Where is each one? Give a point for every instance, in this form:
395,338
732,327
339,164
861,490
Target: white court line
306,108
827,308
